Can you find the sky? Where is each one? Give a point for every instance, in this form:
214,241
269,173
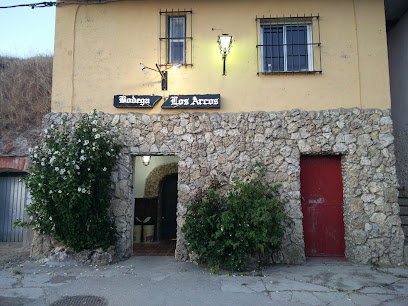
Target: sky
26,32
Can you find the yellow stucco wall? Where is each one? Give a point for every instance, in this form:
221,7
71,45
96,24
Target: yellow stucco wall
98,49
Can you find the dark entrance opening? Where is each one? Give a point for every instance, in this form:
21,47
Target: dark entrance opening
168,196
155,210
321,187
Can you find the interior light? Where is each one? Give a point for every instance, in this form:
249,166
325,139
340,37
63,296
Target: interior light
146,160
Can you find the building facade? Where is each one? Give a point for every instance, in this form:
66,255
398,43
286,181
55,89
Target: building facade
303,88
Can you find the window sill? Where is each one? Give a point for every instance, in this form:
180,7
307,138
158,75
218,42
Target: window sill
171,65
289,72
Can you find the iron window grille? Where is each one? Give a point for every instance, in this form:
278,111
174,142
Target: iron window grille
176,38
288,44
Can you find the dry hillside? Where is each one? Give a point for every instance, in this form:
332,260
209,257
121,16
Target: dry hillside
25,96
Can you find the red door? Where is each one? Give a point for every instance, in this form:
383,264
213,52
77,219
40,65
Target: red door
321,190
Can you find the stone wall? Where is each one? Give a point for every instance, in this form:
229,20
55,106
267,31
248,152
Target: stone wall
224,145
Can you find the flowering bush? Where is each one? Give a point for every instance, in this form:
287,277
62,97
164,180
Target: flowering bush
70,183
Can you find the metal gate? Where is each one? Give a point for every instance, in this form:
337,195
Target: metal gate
13,197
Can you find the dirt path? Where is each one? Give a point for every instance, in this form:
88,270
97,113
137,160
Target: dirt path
12,253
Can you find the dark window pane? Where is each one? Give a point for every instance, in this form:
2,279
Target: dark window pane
177,52
296,37
177,30
177,27
273,56
297,63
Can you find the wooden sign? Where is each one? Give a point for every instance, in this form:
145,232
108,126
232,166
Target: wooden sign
135,101
193,101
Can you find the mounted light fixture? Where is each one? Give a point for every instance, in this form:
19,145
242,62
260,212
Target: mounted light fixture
146,160
163,73
225,41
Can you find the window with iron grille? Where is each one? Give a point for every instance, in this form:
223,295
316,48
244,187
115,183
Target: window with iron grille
288,45
175,37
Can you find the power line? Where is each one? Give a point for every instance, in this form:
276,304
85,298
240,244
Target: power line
32,5
50,3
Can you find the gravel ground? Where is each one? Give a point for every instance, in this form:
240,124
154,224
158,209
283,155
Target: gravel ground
13,253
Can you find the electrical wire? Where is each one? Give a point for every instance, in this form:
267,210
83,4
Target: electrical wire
50,3
32,5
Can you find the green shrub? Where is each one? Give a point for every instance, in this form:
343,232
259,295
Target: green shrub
69,183
223,228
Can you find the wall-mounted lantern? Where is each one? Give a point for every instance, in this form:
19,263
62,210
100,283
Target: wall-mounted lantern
225,41
163,73
146,160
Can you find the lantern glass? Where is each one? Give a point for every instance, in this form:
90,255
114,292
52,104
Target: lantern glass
225,43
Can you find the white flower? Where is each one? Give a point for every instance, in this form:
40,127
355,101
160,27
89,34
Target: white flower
82,151
79,140
42,164
62,171
89,169
83,190
94,130
79,189
76,167
93,148
52,160
30,150
82,157
59,191
35,155
94,122
104,169
57,169
45,131
108,153
97,136
52,126
86,142
50,192
50,218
